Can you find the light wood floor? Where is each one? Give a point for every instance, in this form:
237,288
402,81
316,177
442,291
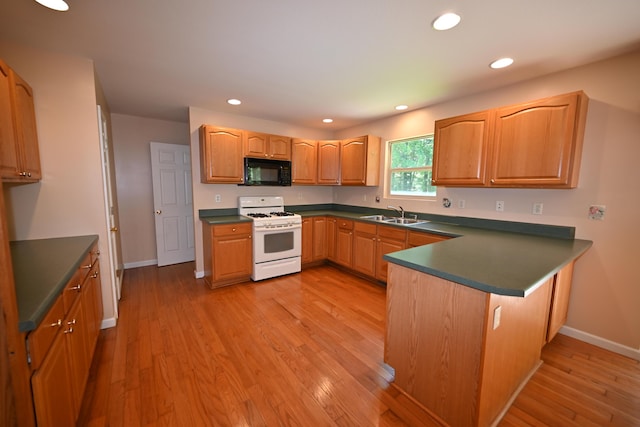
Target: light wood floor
301,350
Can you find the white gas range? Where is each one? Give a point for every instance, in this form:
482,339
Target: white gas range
277,236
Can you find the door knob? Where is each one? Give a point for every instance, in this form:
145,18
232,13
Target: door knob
114,229
158,212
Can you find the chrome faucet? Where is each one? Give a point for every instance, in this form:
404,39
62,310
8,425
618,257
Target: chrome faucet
399,209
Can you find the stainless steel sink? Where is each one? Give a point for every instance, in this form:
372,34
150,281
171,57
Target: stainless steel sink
376,217
404,221
394,220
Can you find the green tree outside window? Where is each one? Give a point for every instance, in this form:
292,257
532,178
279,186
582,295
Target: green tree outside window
410,167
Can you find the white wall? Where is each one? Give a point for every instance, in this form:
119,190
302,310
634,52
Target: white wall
69,200
605,300
131,138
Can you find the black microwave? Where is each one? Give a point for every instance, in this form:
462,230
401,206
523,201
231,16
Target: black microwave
267,172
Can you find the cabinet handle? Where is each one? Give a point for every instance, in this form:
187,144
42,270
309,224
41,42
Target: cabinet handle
71,322
493,181
94,275
56,324
88,267
233,229
75,288
68,331
249,235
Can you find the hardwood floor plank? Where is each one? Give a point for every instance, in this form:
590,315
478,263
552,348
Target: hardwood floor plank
302,350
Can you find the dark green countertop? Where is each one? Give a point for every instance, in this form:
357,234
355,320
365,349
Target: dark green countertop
41,269
501,257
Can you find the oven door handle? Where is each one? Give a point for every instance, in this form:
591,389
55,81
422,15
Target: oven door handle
259,228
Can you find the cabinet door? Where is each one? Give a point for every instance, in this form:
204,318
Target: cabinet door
559,300
307,241
364,248
26,133
52,387
304,161
319,238
232,254
344,243
460,150
257,145
221,155
75,332
8,148
353,170
390,239
279,147
539,144
332,225
329,162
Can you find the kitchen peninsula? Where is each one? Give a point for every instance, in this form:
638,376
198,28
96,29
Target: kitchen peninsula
467,319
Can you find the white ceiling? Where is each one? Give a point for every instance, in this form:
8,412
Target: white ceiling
299,61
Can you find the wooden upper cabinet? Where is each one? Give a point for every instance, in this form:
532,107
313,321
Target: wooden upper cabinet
461,146
539,144
304,161
19,153
328,162
221,155
360,163
263,145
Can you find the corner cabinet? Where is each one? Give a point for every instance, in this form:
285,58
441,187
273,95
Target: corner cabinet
360,163
537,144
221,155
19,152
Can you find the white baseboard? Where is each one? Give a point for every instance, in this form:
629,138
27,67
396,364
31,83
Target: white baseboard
198,274
108,323
633,353
128,265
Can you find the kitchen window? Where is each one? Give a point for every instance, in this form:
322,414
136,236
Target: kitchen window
409,172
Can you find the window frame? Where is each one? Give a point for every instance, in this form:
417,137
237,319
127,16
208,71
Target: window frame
388,171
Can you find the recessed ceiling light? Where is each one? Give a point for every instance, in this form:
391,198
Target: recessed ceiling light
401,107
327,120
501,63
234,101
59,5
446,21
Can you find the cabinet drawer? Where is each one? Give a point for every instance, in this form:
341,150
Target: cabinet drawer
419,239
41,338
230,229
392,233
365,227
72,290
345,224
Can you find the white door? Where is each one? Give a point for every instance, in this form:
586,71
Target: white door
173,203
115,271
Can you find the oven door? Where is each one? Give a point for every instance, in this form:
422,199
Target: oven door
270,244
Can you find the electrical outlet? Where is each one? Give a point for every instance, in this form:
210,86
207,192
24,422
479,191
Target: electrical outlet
496,317
218,198
537,208
461,204
500,206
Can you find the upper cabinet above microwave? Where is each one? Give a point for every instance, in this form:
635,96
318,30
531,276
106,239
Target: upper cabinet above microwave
537,144
265,146
19,153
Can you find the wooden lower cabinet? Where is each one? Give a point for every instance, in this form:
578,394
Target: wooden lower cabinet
364,248
314,240
62,348
52,388
332,228
228,253
344,243
389,239
559,300
416,238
